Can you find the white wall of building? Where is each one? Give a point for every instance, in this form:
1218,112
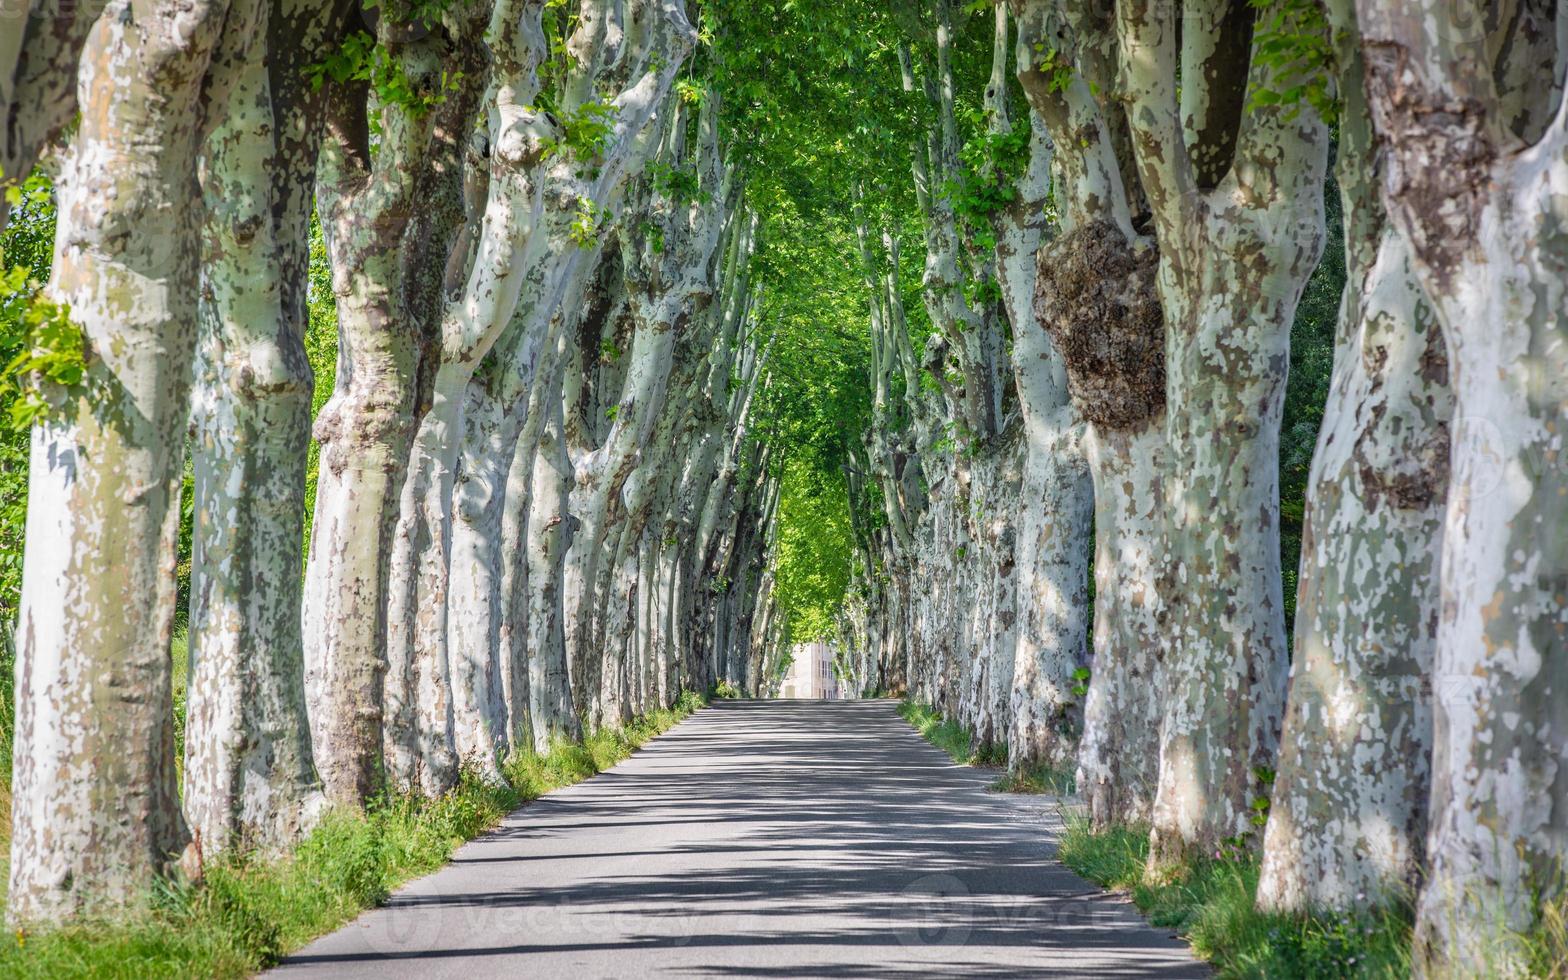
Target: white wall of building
810,674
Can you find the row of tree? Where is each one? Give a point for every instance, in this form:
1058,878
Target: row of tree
1110,291
538,502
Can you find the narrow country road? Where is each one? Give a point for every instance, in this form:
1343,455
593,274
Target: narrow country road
761,838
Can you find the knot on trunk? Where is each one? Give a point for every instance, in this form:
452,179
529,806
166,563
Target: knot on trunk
1096,296
1440,156
524,142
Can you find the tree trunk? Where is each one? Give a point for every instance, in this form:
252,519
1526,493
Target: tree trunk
550,529
1238,213
389,265
534,261
1477,190
420,747
1052,545
95,810
249,777
1053,523
38,68
1098,297
1123,707
1348,817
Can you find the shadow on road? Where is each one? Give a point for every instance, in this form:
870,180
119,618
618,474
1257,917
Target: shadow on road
761,838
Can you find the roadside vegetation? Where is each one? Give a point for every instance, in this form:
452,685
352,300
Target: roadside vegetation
964,748
1210,902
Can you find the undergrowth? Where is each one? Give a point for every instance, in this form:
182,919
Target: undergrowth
1210,903
1037,779
950,736
1546,949
248,912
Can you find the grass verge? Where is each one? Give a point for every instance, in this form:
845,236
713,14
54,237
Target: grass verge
963,748
248,912
948,735
1037,779
1209,902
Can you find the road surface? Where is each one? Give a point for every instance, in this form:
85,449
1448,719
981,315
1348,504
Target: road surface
761,839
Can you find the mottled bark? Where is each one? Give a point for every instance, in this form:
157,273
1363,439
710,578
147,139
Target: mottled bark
667,248
994,522
1086,308
1052,512
1233,261
395,218
249,777
39,52
1098,299
552,708
1117,772
95,815
966,321
421,752
1476,182
476,418
517,649
1349,806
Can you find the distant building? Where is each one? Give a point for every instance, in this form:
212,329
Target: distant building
810,673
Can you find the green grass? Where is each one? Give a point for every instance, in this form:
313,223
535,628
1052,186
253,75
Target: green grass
1210,903
180,664
1038,779
247,913
963,748
1546,948
949,736
723,691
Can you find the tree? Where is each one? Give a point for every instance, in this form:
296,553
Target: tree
1347,821
1055,497
399,217
1475,166
1237,210
38,69
1096,297
95,809
443,711
248,772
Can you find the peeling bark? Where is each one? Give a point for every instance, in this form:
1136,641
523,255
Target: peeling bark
1349,807
421,751
1117,774
38,81
95,814
450,706
1233,262
1481,198
388,273
1098,298
249,777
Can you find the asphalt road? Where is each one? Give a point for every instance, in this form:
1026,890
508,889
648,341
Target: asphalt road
761,839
